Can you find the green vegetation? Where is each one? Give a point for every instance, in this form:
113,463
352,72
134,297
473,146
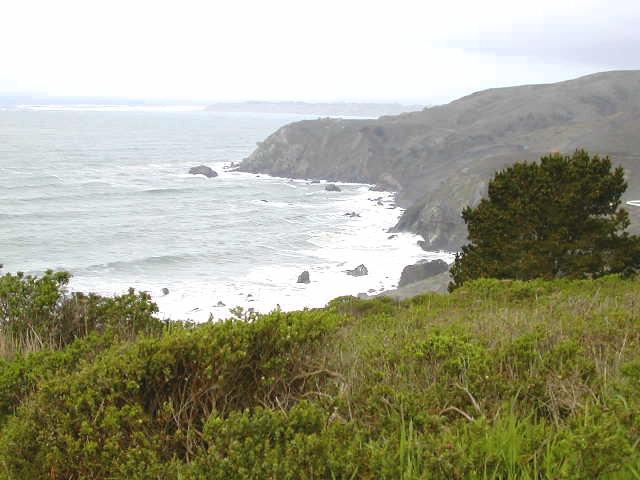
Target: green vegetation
498,380
514,379
37,312
556,218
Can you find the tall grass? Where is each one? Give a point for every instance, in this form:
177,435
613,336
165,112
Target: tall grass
410,465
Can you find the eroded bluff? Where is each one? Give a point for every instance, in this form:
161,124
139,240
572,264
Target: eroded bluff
440,159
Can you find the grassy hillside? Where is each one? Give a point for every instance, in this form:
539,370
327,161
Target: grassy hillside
506,380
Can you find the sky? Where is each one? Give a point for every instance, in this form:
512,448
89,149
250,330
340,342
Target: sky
404,51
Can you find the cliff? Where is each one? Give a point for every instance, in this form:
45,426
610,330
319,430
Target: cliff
440,159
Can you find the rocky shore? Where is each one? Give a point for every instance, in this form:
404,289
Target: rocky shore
440,159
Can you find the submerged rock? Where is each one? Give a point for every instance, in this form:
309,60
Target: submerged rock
304,277
351,214
359,271
422,270
332,187
203,170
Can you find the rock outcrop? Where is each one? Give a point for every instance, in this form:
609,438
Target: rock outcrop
304,277
203,170
359,271
332,187
437,283
440,159
421,271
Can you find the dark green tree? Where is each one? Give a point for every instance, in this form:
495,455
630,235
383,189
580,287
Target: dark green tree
559,217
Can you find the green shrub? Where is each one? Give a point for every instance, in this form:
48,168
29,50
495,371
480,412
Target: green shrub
303,443
149,400
499,380
20,376
38,312
28,306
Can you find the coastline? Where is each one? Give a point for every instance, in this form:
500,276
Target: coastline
120,216
383,199
328,277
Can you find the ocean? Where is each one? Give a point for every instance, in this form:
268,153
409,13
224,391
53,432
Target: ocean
104,193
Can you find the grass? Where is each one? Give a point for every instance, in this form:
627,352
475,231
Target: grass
499,380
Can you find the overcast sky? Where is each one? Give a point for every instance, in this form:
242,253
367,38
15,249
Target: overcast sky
321,50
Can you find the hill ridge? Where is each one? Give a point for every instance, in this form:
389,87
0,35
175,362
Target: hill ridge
440,159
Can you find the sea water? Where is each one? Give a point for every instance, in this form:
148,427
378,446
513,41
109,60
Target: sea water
105,194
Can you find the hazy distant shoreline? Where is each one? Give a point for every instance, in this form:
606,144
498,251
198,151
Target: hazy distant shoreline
319,108
328,109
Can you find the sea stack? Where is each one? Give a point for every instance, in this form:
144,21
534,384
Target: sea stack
359,271
203,170
304,277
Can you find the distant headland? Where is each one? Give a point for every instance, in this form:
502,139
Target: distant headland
333,109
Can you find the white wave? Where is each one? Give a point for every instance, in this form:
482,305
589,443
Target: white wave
330,252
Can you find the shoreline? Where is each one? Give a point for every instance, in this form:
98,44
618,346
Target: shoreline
436,283
382,199
261,289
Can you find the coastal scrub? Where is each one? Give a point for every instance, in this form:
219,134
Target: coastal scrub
501,379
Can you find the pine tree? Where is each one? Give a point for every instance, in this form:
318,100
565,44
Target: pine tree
559,217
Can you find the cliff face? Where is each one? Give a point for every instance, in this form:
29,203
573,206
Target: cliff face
440,159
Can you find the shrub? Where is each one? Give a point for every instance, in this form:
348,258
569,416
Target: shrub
38,312
303,443
146,403
556,218
29,306
518,380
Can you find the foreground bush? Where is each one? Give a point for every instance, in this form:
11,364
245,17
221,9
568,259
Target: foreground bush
38,312
139,405
499,380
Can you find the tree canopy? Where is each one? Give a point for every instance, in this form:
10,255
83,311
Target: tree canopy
559,217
